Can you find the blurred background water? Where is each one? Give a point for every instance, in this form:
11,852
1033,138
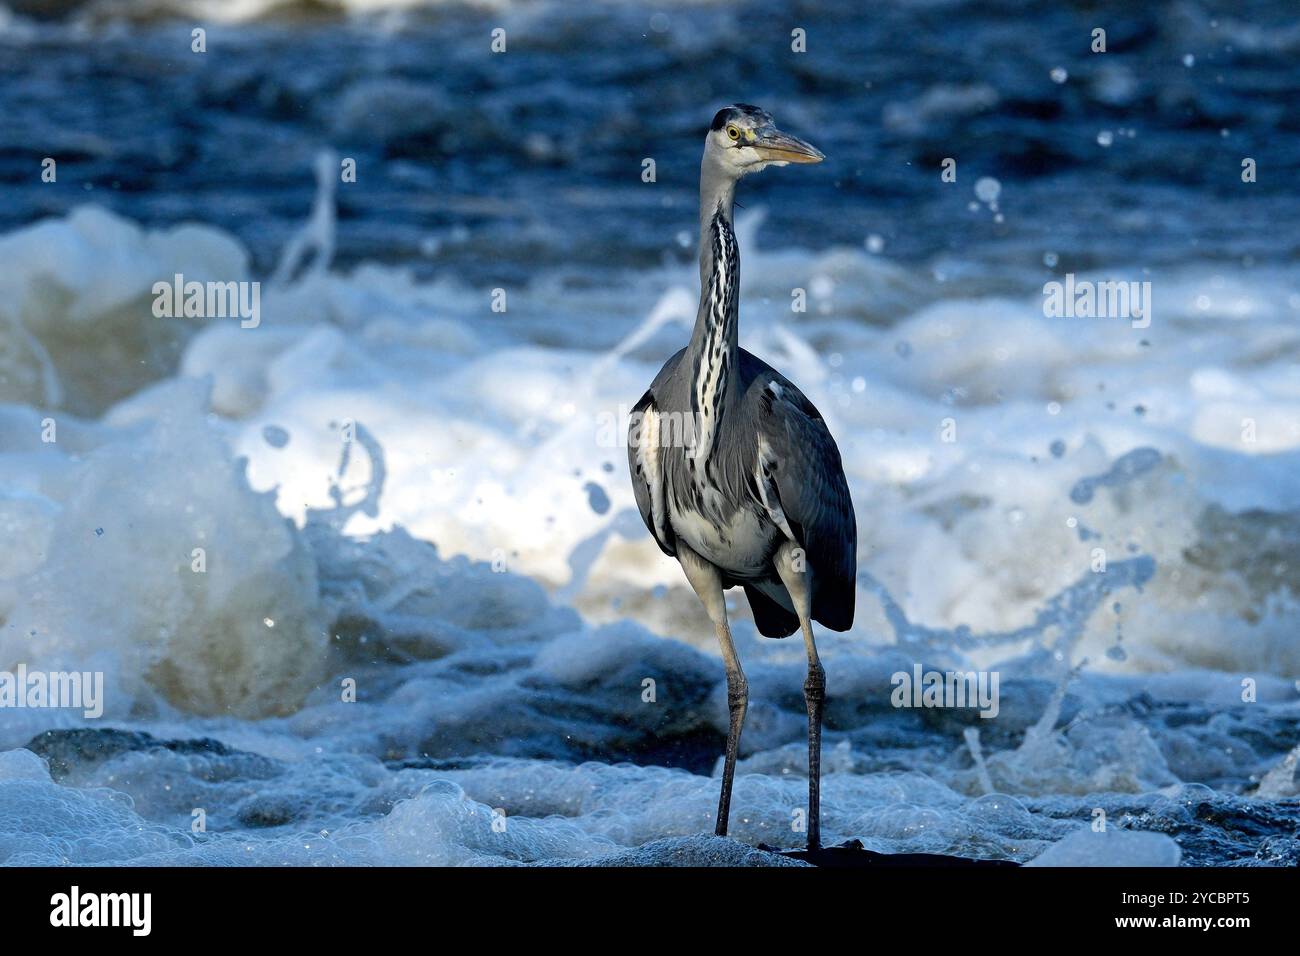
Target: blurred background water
472,558
493,166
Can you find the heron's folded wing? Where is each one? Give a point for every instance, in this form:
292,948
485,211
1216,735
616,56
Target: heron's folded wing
645,462
808,475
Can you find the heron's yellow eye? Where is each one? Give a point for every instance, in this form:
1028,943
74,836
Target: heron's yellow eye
733,132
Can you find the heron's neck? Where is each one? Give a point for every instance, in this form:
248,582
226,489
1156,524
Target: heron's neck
714,351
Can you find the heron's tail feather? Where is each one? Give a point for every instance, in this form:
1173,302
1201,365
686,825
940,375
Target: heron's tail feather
833,605
771,618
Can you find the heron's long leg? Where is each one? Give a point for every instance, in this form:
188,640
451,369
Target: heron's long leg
707,582
791,565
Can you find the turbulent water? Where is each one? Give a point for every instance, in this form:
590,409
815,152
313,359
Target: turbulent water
389,491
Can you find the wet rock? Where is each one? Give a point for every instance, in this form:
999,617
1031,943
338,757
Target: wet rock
269,810
80,748
853,855
700,850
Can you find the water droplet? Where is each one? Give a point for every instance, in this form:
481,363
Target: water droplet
987,190
1050,259
1105,138
597,498
275,436
1059,74
1189,60
875,244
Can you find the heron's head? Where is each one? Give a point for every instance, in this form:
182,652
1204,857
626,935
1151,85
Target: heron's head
743,139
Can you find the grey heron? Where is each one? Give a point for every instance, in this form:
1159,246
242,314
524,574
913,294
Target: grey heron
735,472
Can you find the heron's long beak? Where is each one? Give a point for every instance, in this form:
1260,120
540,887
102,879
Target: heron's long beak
778,147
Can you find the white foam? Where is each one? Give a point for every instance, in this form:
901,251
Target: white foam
120,584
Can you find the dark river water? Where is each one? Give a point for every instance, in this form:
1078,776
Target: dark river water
493,165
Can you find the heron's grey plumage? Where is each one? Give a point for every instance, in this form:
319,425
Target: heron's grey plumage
800,479
734,470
